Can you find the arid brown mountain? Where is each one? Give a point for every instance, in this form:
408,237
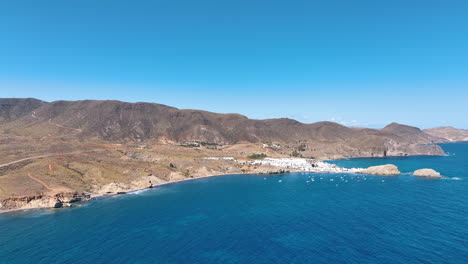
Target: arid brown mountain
120,121
11,108
451,134
117,121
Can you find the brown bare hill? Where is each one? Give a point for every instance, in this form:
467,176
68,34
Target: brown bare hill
14,108
115,120
121,121
410,134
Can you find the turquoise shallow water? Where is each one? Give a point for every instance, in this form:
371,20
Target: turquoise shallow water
250,219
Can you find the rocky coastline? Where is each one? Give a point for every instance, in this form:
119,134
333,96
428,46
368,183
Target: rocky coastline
59,200
261,166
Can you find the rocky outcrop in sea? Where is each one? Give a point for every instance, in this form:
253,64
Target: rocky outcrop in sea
385,170
428,173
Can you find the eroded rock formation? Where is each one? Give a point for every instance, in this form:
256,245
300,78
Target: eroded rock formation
386,170
429,173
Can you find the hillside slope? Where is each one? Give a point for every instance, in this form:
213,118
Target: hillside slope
450,134
120,121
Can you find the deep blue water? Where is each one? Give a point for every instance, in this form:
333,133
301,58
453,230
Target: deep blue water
250,219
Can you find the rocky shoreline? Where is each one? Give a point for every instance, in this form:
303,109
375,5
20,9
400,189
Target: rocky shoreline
261,166
65,200
59,200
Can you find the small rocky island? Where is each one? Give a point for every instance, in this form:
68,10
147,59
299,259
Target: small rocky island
428,173
384,170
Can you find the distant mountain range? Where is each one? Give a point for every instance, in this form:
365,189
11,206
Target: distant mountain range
120,121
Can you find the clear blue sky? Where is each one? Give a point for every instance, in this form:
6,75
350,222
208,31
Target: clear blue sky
360,62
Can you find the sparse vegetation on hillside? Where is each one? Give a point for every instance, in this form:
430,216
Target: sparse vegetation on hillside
301,147
204,143
296,154
190,145
257,156
187,173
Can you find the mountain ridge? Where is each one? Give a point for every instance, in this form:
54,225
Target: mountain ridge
116,120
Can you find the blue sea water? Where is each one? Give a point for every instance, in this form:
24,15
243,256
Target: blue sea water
337,218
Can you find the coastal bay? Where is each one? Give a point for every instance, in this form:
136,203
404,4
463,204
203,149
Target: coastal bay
295,220
57,153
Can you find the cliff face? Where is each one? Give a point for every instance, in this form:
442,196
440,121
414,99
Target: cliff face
58,200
